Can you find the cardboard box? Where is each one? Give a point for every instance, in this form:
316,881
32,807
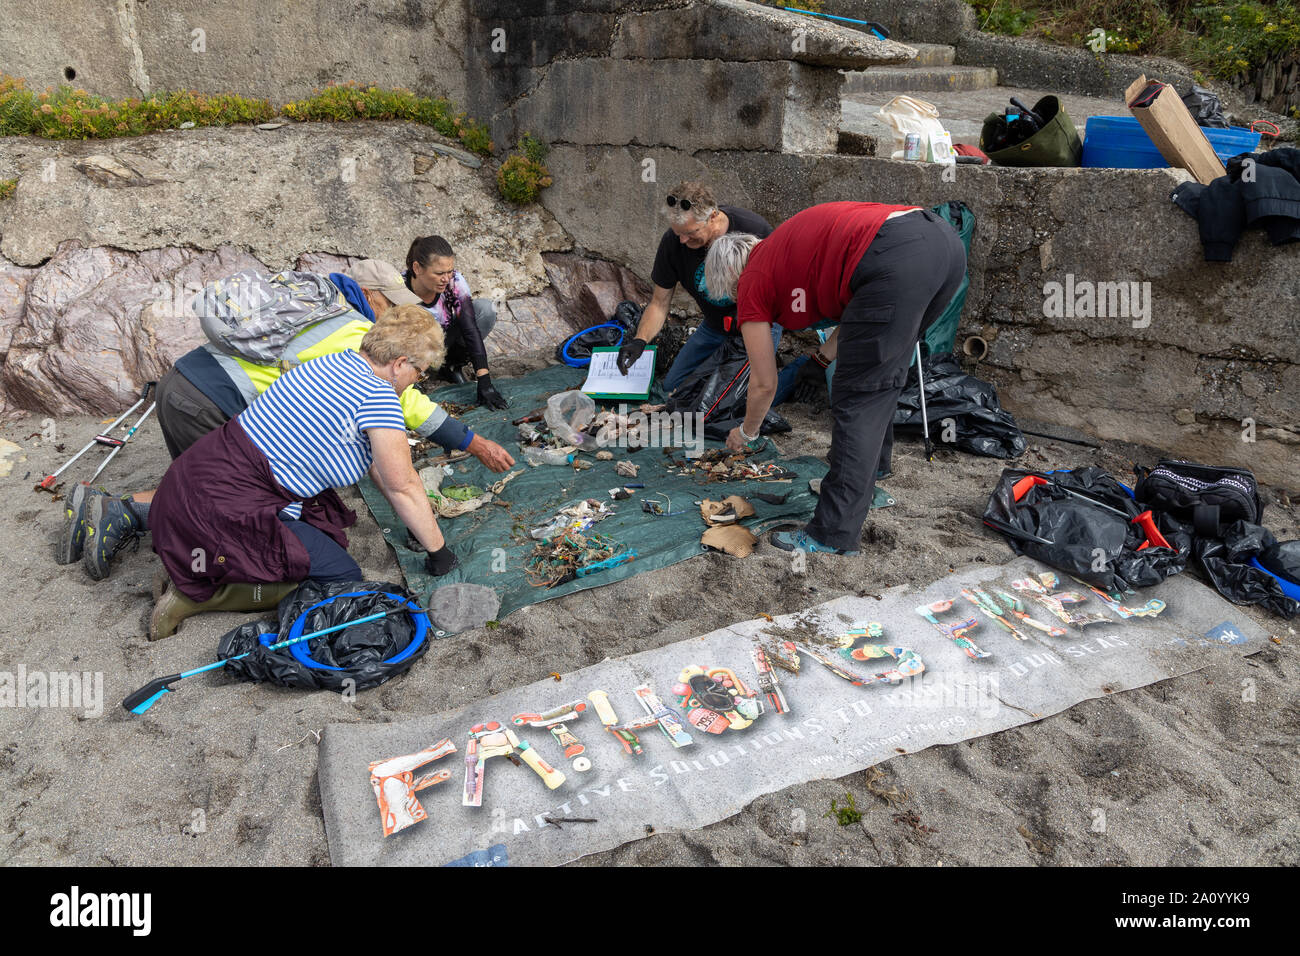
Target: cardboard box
1174,131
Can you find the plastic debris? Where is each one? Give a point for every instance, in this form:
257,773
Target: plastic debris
573,519
727,511
736,540
567,413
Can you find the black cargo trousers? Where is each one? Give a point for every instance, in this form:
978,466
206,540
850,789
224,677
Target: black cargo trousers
904,281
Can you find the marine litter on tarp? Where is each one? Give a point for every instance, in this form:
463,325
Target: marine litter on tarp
687,734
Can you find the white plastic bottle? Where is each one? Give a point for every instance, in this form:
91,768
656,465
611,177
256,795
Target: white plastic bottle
548,456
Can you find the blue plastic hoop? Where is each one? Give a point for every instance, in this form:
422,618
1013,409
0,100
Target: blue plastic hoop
303,657
575,362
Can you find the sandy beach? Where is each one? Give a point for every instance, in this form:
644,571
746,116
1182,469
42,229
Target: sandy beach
1197,770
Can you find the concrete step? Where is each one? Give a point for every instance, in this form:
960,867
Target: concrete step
932,54
920,79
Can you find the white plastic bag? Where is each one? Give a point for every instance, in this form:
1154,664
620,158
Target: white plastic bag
567,413
906,114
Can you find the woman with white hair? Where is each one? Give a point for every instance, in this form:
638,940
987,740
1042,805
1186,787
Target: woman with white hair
883,273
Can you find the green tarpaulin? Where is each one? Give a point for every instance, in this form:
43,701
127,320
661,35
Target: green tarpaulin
492,543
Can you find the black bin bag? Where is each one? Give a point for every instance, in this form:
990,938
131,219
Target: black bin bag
355,658
1078,535
980,424
718,389
1246,565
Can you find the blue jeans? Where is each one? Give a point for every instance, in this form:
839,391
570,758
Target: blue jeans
329,562
703,342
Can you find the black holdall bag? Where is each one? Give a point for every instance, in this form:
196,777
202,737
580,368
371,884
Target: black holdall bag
1207,497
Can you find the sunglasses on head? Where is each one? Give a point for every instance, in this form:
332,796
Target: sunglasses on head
683,204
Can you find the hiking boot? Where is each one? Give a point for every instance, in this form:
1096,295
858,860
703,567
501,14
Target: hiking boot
800,541
173,606
72,540
110,525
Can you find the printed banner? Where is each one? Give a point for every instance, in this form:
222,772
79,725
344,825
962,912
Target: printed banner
685,735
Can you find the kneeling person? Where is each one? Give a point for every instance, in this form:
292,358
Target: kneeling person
207,387
250,510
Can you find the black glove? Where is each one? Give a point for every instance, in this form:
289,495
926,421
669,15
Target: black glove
810,383
629,352
488,395
440,562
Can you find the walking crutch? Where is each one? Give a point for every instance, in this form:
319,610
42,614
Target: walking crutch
49,482
925,419
104,464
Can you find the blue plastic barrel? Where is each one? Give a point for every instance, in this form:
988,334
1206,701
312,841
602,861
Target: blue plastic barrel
1120,142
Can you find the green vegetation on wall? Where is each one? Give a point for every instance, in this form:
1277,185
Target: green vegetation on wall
68,113
1220,37
523,175
349,101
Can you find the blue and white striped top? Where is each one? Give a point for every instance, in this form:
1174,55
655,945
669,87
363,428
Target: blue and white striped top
311,424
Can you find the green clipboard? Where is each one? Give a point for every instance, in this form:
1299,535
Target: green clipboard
651,351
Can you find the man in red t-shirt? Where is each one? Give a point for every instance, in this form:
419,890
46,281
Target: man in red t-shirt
883,274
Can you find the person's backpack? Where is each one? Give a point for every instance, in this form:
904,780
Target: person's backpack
941,336
253,316
1204,496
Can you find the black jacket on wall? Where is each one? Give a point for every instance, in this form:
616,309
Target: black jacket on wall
1231,204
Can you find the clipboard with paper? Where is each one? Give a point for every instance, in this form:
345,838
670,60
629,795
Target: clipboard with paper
605,381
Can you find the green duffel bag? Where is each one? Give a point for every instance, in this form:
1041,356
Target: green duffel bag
1056,144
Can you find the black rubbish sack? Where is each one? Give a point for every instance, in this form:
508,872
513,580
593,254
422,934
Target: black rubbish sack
1282,560
979,423
1205,107
1081,522
718,389
355,658
575,351
1229,561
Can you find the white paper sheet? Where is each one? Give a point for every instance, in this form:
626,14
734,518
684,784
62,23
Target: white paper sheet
604,378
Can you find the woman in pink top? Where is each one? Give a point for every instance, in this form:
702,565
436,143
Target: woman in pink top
882,274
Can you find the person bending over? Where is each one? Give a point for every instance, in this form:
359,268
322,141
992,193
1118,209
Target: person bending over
250,510
883,273
206,388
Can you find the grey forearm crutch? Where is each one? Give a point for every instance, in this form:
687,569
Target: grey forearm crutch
113,453
925,419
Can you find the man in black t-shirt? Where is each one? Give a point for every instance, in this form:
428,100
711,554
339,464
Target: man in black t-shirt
695,220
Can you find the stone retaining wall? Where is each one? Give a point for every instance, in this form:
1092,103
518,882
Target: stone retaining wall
277,50
723,74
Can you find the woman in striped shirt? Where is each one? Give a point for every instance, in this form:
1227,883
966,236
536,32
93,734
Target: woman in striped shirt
250,510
